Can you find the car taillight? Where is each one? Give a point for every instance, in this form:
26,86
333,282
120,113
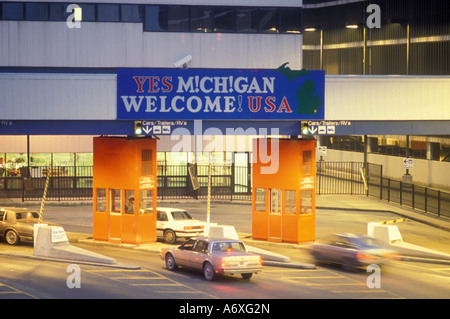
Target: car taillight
392,256
192,227
364,256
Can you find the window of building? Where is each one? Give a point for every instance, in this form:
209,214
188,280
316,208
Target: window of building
224,19
12,11
201,19
108,12
268,20
246,20
36,11
160,18
290,20
58,12
178,18
131,13
155,18
88,12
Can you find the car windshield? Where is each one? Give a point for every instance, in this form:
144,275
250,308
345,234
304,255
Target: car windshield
228,246
26,215
180,215
365,242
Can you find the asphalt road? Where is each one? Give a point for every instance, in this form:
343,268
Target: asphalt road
27,278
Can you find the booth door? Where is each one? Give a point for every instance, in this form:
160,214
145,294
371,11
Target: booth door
275,225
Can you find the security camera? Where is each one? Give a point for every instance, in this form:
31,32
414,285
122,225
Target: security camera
183,62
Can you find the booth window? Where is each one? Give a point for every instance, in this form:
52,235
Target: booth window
275,201
307,163
260,202
290,202
115,198
129,206
147,162
146,202
101,200
306,202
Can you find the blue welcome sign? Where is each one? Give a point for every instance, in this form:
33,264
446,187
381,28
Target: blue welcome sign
220,94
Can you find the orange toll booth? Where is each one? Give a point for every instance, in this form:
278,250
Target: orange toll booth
283,197
124,186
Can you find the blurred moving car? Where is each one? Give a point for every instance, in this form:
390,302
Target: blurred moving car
352,251
174,223
213,256
17,224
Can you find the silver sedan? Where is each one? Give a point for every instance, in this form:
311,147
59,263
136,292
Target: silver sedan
213,257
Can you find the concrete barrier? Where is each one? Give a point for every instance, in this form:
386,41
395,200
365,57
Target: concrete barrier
391,238
52,242
221,231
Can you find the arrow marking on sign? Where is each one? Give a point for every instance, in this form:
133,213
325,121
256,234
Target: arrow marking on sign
147,129
313,130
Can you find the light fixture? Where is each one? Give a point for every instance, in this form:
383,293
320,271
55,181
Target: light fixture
351,26
310,29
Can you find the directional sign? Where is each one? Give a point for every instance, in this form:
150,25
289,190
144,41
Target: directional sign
161,127
322,150
407,163
330,127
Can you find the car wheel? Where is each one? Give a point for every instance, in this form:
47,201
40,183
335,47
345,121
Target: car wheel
247,276
170,262
349,265
170,237
208,271
11,237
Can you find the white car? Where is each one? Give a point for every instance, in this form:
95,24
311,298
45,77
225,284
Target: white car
174,223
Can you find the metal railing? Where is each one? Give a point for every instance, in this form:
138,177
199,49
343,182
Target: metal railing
228,182
418,197
65,183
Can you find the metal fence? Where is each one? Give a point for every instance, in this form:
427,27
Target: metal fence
339,178
228,182
65,183
418,197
